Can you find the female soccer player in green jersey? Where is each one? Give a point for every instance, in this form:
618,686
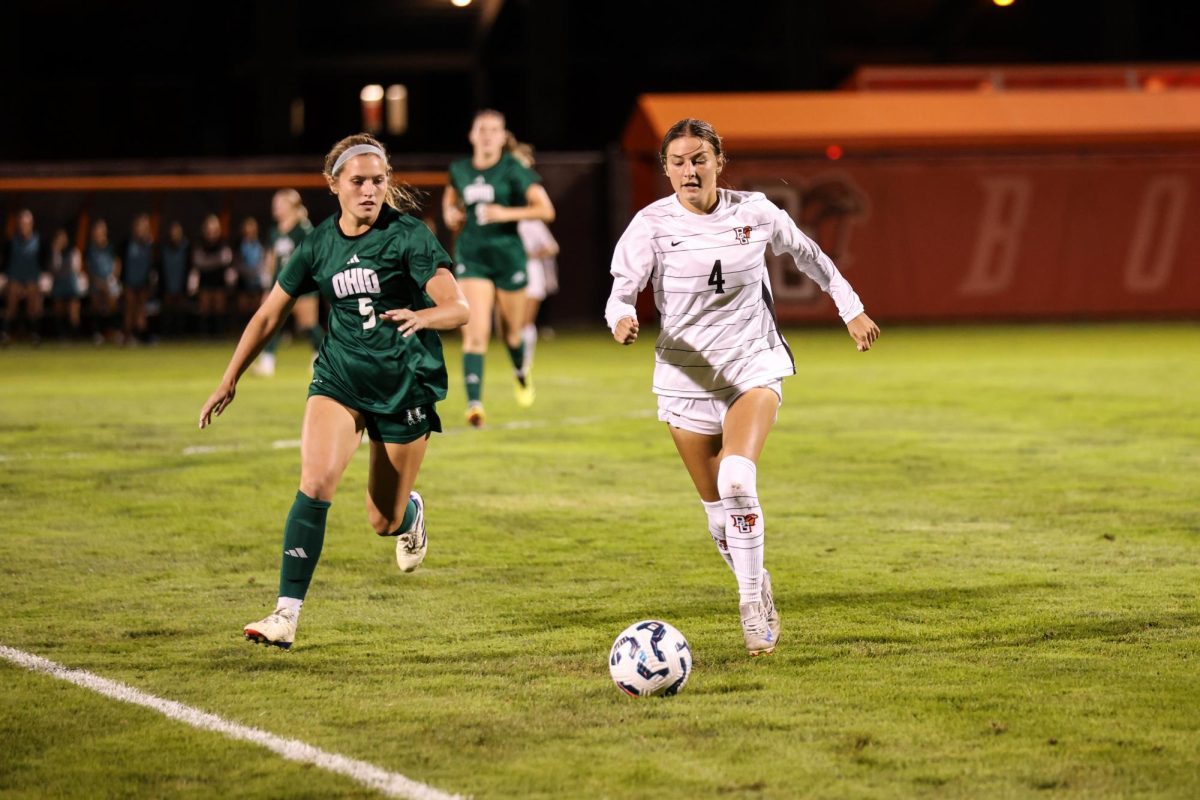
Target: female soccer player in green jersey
488,194
380,369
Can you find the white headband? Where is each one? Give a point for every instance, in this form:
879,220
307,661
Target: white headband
357,150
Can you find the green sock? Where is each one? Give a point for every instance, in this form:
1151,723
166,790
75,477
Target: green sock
303,536
410,516
272,345
473,376
517,354
315,335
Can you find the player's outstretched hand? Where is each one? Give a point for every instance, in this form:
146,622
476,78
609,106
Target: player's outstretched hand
405,319
863,331
216,403
626,331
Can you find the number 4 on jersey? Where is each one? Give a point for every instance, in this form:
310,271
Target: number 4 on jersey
716,279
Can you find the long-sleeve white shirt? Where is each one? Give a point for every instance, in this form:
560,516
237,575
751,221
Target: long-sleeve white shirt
709,274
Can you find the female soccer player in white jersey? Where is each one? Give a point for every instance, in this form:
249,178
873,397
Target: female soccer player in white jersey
720,358
380,369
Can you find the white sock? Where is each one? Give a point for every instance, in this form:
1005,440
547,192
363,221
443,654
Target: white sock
716,528
290,604
744,524
529,337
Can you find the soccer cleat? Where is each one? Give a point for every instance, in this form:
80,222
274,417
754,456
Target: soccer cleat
278,628
760,641
412,544
768,603
264,367
523,389
475,414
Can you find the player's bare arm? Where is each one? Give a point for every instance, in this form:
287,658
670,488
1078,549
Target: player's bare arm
262,326
452,211
537,206
450,309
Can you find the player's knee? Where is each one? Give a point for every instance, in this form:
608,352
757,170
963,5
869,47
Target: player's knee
737,477
319,487
382,524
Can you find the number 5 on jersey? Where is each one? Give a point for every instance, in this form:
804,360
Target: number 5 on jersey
716,279
365,308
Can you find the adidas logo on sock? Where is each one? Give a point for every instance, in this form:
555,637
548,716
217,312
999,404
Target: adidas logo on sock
296,552
353,259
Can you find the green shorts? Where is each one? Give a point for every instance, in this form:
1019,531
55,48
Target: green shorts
503,266
400,428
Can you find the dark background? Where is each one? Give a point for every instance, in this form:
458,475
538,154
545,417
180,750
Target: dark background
87,81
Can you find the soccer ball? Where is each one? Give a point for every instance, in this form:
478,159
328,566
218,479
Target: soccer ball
650,658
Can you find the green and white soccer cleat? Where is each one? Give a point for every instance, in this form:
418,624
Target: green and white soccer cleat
278,628
412,544
760,641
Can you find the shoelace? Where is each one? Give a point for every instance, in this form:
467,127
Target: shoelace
280,615
409,542
756,625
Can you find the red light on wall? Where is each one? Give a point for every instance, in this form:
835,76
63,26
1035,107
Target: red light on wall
833,152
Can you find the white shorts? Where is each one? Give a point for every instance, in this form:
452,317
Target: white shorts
705,414
542,278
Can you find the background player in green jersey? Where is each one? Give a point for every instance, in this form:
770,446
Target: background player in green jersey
291,226
380,368
488,194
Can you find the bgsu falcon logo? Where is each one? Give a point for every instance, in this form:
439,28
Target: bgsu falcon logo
743,234
744,523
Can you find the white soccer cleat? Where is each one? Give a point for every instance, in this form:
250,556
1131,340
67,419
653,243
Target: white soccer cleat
412,544
264,367
278,628
760,641
768,604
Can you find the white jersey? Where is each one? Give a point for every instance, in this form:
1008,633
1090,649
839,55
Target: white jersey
541,271
709,274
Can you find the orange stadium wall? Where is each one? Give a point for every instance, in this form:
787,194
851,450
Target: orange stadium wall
1000,223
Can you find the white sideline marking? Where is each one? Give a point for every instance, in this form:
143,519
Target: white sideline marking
391,784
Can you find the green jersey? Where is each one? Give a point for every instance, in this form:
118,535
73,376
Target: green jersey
284,244
365,362
503,183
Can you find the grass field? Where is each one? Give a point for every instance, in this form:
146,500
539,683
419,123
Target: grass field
985,544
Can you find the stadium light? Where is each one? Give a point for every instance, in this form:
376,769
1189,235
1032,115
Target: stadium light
372,107
396,99
1003,3
461,3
